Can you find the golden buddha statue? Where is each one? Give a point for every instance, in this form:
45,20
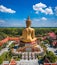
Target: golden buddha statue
28,34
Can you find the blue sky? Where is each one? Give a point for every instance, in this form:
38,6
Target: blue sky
43,13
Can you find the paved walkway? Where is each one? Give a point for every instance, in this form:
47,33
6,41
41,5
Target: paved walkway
6,49
28,62
10,42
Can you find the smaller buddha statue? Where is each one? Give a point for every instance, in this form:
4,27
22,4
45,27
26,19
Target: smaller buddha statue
28,34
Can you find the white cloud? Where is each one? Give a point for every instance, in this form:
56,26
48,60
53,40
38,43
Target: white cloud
40,7
12,23
36,19
37,22
49,10
2,21
39,19
44,18
6,10
55,10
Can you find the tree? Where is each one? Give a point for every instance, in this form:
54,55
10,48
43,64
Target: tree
1,60
50,55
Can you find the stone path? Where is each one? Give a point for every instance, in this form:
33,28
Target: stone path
28,62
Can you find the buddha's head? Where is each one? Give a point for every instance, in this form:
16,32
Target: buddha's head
28,22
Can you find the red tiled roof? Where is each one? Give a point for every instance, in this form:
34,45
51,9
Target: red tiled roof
5,64
4,40
13,38
46,64
9,38
0,43
54,43
52,34
54,64
50,63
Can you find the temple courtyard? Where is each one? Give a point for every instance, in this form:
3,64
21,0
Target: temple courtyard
29,49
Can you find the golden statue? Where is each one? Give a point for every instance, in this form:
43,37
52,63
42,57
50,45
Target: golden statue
28,34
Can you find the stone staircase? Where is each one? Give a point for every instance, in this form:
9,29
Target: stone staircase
28,58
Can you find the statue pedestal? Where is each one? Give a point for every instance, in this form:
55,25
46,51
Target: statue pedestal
28,49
